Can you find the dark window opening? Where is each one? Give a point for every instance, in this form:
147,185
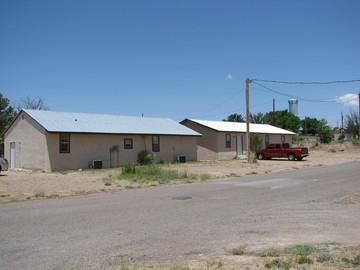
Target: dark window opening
227,140
64,142
155,143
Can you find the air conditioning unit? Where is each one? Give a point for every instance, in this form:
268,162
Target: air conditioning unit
96,164
181,159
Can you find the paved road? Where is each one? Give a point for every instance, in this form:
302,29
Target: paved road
97,231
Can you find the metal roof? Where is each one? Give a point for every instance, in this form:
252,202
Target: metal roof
110,124
225,126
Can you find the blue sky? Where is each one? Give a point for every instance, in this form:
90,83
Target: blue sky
181,59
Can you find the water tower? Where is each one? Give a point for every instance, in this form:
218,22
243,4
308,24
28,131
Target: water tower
293,106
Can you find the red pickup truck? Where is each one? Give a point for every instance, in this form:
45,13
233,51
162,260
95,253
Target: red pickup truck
282,150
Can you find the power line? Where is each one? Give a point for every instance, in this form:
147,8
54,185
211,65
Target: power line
292,96
285,82
217,105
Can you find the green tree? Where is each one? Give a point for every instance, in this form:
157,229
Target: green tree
7,114
324,131
352,123
257,118
234,118
309,126
283,119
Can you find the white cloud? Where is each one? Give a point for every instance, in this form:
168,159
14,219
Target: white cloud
348,99
229,77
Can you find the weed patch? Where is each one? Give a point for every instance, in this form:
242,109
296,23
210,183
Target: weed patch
303,250
278,263
238,251
304,259
152,174
39,194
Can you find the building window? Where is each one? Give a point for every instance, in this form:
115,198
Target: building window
64,142
155,143
227,140
282,138
128,143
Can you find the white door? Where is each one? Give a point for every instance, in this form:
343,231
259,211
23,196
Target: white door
239,145
12,155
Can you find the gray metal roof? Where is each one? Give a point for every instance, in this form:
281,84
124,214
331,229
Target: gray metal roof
241,127
110,124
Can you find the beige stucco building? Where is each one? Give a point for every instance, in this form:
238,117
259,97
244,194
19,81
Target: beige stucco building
55,141
223,140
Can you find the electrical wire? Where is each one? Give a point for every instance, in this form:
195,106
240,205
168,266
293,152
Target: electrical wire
292,96
285,82
217,105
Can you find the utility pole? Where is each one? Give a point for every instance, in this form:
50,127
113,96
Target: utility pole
248,119
273,105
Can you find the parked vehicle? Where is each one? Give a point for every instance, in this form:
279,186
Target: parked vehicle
4,164
282,150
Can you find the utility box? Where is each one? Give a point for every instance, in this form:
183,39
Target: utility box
97,164
182,159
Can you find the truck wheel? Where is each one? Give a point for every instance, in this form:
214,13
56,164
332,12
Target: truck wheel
291,156
260,156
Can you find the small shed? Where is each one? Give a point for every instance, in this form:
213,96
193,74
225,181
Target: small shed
223,140
55,141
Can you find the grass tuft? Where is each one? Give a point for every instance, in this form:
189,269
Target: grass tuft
39,194
238,251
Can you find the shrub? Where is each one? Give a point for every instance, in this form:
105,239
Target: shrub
341,138
304,259
324,257
272,252
128,169
302,250
277,263
145,157
39,194
356,260
238,251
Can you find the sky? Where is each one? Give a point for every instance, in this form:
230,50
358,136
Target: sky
182,59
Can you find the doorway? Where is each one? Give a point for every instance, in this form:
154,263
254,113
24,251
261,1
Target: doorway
12,155
239,145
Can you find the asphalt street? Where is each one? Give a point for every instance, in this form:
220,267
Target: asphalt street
174,222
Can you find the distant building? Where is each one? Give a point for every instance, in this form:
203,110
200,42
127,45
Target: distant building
222,140
343,132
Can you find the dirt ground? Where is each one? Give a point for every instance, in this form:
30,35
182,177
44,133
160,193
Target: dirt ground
22,185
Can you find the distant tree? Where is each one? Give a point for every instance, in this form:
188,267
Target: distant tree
324,131
257,118
309,126
283,119
234,118
352,123
7,114
32,103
